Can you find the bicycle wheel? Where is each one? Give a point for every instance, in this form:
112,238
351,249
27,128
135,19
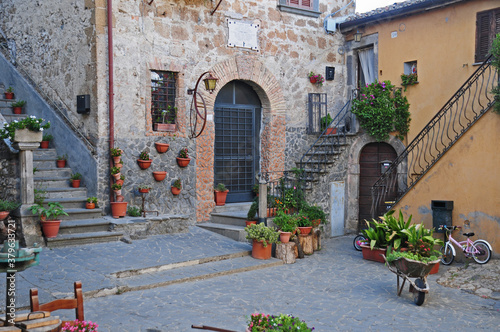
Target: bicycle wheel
484,254
419,297
355,242
447,254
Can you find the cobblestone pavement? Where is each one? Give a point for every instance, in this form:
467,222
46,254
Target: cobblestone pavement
332,290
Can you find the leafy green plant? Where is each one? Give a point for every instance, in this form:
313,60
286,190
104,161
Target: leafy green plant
325,121
220,187
303,220
92,199
409,79
19,103
6,205
63,157
380,110
314,212
183,153
40,196
76,176
47,137
285,222
395,226
177,184
53,210
116,152
10,89
31,122
143,186
495,62
409,255
262,322
376,233
144,155
115,170
252,212
116,186
262,233
134,211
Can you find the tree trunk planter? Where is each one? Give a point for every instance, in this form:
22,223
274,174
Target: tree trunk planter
161,147
118,209
183,162
44,144
159,176
220,197
50,228
61,163
175,190
373,255
75,183
90,206
144,164
261,252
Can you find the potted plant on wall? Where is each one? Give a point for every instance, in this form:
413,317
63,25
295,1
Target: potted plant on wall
116,172
144,161
17,107
183,158
262,237
144,188
49,217
116,154
9,93
159,175
220,194
161,147
61,161
91,203
176,187
46,138
6,207
316,78
121,180
117,188
75,180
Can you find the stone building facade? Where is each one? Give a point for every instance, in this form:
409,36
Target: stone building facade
275,45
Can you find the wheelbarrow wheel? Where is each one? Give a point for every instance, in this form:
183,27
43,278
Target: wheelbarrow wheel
419,297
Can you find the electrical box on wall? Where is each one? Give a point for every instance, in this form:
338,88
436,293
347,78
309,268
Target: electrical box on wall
330,73
83,104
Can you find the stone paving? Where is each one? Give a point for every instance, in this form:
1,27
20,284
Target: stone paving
332,290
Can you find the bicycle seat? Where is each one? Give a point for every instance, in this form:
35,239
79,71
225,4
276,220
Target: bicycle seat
468,234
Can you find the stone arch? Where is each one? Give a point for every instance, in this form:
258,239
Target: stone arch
352,190
250,70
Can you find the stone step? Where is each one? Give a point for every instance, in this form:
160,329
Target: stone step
42,173
229,218
84,226
82,213
63,240
324,153
233,207
46,163
44,154
9,117
50,192
171,274
236,233
52,182
69,202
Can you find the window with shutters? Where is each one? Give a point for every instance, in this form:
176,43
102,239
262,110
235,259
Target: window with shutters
301,7
487,26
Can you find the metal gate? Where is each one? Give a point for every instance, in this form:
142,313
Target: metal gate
236,154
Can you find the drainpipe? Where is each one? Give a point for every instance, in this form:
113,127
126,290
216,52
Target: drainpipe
110,91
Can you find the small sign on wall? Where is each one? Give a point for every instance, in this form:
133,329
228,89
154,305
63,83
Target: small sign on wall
242,35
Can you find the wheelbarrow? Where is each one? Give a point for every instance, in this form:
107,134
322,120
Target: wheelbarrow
407,268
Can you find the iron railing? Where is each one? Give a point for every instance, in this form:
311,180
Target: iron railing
318,108
9,53
316,159
285,189
461,111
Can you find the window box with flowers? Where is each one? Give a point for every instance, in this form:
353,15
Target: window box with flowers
183,158
27,130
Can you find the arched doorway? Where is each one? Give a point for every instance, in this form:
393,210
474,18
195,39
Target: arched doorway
370,169
237,120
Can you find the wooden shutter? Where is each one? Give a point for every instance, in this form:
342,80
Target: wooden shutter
487,26
306,4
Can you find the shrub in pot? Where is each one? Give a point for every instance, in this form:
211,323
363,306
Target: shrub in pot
220,194
262,236
49,217
6,207
76,178
91,203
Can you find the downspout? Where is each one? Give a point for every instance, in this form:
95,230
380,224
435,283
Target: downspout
110,91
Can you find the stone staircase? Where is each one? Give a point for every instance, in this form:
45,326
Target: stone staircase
229,220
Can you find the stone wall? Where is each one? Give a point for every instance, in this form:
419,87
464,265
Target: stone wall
9,177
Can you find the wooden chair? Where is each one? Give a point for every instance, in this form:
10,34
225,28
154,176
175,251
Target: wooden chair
76,303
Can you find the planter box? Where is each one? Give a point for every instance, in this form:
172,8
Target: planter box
373,255
165,127
27,136
331,131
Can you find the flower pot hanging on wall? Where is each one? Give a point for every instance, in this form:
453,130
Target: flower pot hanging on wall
159,176
183,162
161,147
144,164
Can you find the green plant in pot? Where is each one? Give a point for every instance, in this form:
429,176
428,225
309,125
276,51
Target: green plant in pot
176,187
315,214
91,202
75,180
261,236
220,194
144,161
395,235
252,212
286,222
6,206
49,217
325,121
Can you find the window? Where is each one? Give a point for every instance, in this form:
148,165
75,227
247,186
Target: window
301,7
163,92
487,26
318,109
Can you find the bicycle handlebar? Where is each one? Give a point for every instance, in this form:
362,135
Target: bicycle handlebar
452,228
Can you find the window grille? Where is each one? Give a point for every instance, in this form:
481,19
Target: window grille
163,93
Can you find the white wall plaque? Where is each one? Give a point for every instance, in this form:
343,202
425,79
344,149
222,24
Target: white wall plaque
242,35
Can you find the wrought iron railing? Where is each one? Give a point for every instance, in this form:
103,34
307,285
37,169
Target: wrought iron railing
315,160
285,190
461,111
10,55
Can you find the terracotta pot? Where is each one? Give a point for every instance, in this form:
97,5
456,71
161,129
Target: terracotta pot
61,163
143,190
161,147
119,182
175,190
118,209
119,166
285,237
119,198
316,222
116,160
435,269
250,222
118,192
9,95
271,212
305,230
159,176
75,183
220,197
331,131
183,162
90,206
4,214
116,176
50,228
144,164
17,110
261,252
373,255
313,79
44,144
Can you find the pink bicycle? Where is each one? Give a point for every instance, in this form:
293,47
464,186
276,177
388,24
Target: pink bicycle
480,250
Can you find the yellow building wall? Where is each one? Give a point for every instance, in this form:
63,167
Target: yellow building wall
442,41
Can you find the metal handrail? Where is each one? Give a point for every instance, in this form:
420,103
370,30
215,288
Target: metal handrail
461,111
5,51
